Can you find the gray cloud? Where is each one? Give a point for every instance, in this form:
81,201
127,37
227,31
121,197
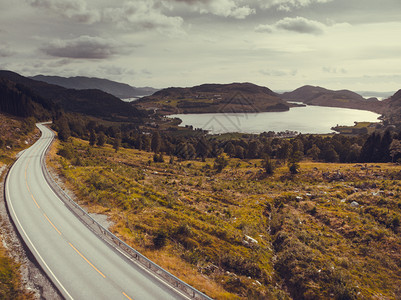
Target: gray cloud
332,70
73,9
264,28
141,14
288,5
297,24
301,25
6,51
278,73
85,47
223,8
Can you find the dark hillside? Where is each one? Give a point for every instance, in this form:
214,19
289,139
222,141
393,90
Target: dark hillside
90,102
20,101
393,108
120,90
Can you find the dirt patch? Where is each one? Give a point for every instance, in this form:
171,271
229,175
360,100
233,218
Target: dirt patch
33,278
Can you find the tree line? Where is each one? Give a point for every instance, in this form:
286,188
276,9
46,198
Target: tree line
376,147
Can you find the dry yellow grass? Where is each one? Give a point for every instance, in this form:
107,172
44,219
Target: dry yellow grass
233,234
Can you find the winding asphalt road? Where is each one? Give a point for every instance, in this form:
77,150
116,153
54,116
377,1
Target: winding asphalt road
77,261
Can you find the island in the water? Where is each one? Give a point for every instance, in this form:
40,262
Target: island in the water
249,98
215,98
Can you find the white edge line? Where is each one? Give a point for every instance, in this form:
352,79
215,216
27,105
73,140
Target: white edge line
29,240
162,281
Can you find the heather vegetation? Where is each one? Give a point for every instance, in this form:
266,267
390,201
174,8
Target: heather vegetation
15,135
278,227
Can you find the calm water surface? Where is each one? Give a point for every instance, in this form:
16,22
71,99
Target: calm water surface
309,119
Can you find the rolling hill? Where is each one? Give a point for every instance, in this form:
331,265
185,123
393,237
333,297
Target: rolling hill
214,98
120,90
314,95
392,110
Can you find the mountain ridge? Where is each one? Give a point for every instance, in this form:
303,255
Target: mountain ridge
91,102
120,90
315,95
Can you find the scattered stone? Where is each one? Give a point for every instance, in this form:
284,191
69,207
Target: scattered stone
250,239
354,204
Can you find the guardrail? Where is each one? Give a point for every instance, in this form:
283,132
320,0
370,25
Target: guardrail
117,243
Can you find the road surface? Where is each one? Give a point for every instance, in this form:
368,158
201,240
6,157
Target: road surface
80,264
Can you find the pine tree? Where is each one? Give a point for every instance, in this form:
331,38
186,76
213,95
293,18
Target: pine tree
384,148
156,142
101,139
202,148
117,142
64,132
268,165
92,138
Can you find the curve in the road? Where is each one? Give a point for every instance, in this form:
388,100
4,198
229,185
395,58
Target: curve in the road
80,264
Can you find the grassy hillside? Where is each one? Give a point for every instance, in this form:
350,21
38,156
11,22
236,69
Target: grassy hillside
330,232
15,135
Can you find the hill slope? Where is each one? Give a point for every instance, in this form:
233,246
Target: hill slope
20,101
393,108
90,102
120,90
314,95
214,98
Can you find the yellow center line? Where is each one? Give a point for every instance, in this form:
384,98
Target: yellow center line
34,200
127,296
52,224
87,260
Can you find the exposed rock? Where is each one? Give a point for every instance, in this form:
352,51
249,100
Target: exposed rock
354,204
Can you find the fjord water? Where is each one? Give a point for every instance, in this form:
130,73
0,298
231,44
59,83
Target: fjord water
309,119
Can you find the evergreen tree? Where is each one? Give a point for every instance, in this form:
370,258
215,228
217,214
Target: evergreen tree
253,149
395,150
117,142
92,138
101,139
230,149
191,151
284,150
156,142
293,161
384,148
64,132
330,155
368,148
202,148
239,152
354,153
314,152
268,165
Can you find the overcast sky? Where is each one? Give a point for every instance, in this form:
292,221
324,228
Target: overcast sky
281,44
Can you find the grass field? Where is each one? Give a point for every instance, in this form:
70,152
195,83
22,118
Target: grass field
330,232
